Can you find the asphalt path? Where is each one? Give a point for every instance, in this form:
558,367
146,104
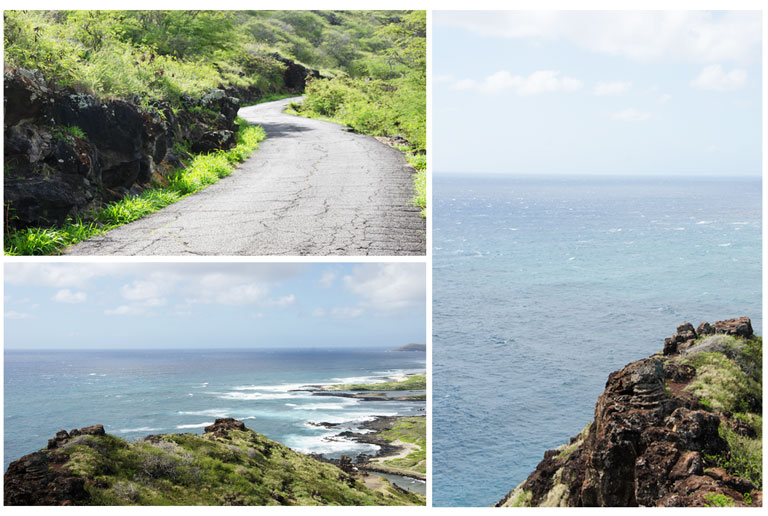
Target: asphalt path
312,188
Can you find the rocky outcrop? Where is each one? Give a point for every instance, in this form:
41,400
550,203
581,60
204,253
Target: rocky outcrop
68,152
685,336
221,427
89,467
652,442
63,437
36,479
295,75
41,478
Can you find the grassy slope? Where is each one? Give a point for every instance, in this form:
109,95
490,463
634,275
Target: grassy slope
187,469
165,54
729,381
383,102
415,382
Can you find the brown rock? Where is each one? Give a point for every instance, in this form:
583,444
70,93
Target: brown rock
222,426
670,346
690,463
740,327
648,441
61,437
704,329
32,481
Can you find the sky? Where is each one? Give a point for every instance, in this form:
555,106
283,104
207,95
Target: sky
210,305
597,92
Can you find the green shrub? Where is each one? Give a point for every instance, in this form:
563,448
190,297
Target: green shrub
744,457
718,500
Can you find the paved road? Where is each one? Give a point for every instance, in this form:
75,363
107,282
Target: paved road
311,189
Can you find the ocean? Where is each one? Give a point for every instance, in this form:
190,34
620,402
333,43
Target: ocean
136,393
542,287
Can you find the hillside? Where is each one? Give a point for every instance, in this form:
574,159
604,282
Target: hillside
228,465
682,428
421,348
106,107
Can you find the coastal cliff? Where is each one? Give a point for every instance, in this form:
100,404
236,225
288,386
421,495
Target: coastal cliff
682,428
227,465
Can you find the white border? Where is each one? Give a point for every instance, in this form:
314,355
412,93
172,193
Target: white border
392,4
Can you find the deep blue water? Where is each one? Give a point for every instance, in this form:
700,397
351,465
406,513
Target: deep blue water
541,288
135,393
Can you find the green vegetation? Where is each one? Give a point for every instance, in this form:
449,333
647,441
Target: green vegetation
519,497
201,171
62,132
744,457
383,101
718,500
162,55
728,379
414,382
410,430
567,449
239,468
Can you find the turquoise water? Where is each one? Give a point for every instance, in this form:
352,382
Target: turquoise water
136,393
541,288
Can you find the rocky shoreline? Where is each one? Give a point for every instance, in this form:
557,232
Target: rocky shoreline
679,429
388,449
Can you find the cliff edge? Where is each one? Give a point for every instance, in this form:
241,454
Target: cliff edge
682,428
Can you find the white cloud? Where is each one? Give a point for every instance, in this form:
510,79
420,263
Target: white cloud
16,315
347,312
339,312
145,289
224,289
68,275
611,88
693,36
126,310
666,97
67,296
541,81
464,84
443,78
389,287
282,301
631,115
55,275
326,280
714,78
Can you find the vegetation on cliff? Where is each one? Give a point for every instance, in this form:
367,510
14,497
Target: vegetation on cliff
682,428
414,382
228,465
